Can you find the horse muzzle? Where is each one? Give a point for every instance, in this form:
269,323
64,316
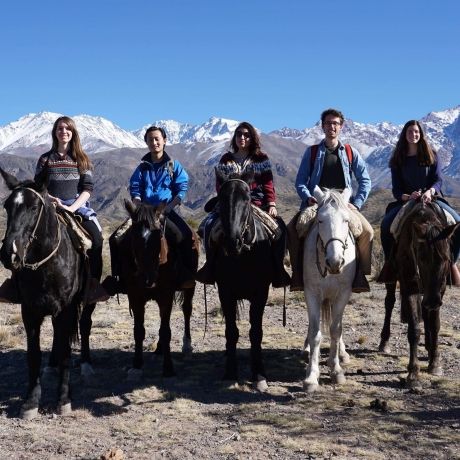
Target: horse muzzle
334,267
11,256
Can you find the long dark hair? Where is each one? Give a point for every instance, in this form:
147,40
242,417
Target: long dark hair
254,145
76,150
426,156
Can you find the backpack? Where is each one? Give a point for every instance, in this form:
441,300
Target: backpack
314,153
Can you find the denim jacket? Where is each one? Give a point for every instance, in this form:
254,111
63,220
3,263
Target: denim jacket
306,179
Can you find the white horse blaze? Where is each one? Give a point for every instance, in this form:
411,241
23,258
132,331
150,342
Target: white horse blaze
327,294
19,198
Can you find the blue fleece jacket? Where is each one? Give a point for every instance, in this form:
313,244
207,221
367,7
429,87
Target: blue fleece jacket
153,183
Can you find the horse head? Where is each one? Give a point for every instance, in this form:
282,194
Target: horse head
24,207
332,219
147,232
430,248
235,210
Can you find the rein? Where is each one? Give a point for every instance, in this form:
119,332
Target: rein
245,227
323,273
33,237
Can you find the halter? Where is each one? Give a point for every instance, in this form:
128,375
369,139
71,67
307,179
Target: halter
32,237
344,244
245,227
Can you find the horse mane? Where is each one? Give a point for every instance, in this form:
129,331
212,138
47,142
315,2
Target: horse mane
332,197
150,214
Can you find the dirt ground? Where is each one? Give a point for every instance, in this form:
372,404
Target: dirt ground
371,416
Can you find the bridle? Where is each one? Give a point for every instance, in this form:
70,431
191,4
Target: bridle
324,247
32,237
246,225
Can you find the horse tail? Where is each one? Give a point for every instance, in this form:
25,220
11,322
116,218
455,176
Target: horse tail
326,314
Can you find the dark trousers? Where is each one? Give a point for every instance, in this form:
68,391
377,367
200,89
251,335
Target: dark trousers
95,253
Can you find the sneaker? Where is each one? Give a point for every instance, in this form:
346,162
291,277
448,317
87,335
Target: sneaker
204,275
387,274
9,292
296,282
281,280
113,285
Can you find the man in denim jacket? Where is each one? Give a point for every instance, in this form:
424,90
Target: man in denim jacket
331,168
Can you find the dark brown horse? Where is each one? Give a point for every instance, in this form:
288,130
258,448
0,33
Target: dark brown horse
422,259
149,268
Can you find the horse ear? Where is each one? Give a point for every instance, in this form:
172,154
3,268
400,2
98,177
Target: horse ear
248,176
346,194
450,231
131,207
10,181
318,193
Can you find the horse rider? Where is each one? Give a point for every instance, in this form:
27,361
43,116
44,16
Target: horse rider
332,165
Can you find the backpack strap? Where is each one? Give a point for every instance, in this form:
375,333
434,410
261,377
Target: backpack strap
171,168
314,153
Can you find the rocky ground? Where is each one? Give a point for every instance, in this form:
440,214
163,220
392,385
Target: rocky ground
371,416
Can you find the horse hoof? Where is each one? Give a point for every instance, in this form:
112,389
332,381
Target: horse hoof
28,413
435,370
65,409
413,383
310,387
384,348
338,378
187,347
261,384
134,375
86,370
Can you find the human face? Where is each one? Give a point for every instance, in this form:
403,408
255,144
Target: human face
155,143
63,134
242,138
413,134
332,126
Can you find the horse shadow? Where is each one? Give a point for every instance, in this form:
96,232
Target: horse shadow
110,392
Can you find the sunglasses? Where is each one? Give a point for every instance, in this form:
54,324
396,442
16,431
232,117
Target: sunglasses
245,134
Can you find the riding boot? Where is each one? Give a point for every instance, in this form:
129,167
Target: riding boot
206,274
387,274
97,292
295,245
281,277
360,283
113,284
454,275
9,291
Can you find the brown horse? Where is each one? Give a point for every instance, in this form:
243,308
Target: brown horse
149,267
422,259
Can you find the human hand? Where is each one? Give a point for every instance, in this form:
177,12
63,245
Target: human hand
312,200
415,195
427,196
272,211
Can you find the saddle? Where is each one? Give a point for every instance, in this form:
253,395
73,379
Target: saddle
80,238
407,210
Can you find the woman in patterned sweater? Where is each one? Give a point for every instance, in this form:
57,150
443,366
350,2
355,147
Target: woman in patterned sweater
70,184
246,155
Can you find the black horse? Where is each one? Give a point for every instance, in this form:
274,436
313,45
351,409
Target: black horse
51,276
244,270
148,263
422,259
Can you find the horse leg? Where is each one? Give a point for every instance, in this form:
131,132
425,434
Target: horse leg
62,328
390,300
231,339
335,330
86,367
413,336
432,325
165,335
29,408
310,384
187,306
256,312
138,309
343,355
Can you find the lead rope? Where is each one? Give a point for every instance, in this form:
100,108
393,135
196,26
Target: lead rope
284,307
205,312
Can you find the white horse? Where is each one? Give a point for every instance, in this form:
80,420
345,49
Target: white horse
329,263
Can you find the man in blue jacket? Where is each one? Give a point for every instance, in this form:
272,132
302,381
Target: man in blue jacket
332,164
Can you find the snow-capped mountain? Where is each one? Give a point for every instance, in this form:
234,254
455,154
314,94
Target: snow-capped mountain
34,130
214,130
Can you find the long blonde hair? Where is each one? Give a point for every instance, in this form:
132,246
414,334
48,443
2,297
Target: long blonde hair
76,150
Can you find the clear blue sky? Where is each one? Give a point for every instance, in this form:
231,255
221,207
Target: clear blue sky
271,63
